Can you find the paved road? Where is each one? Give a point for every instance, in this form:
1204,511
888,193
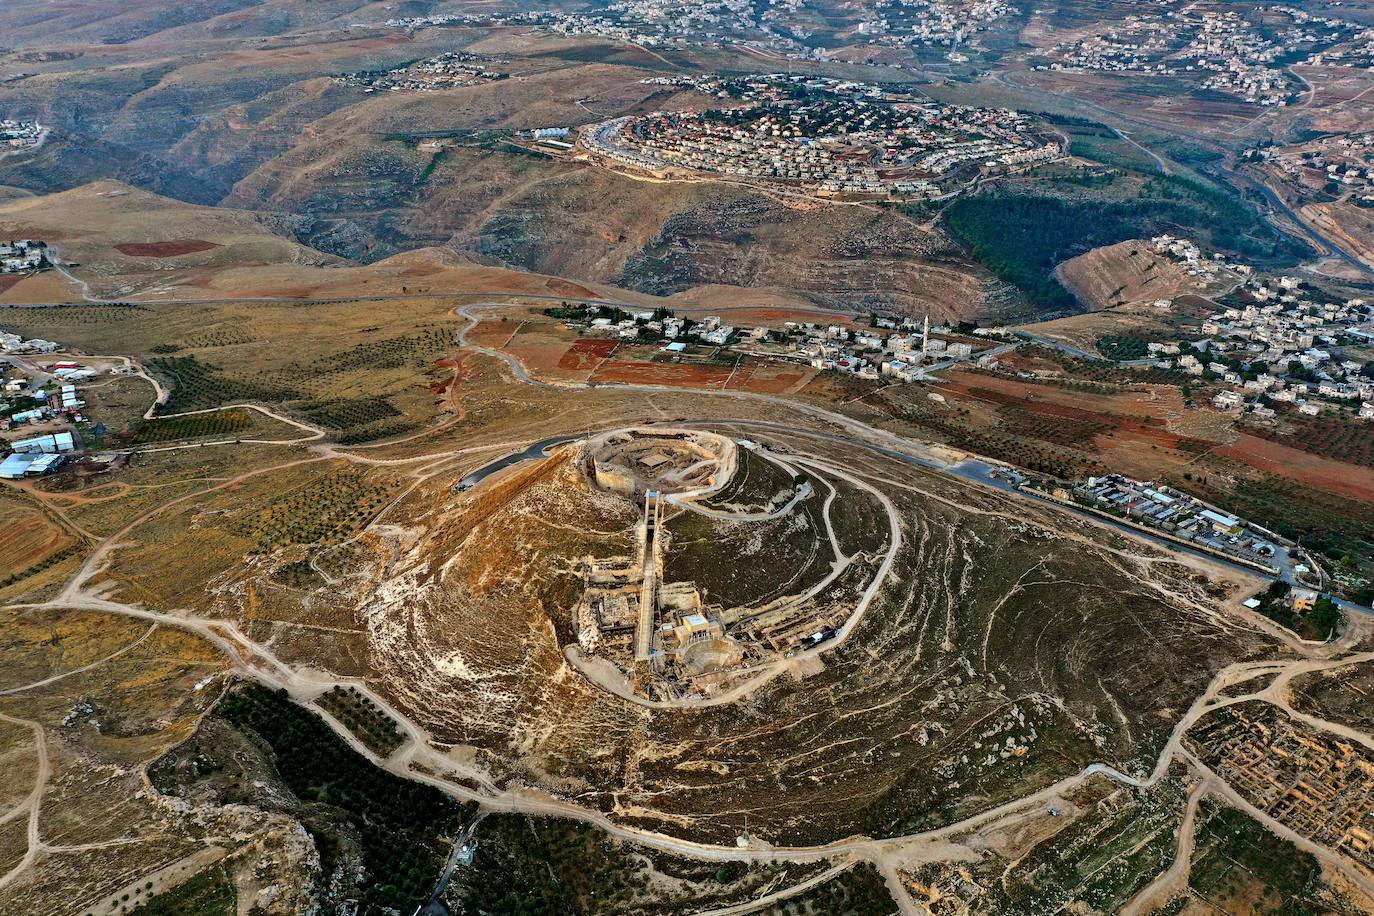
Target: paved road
258,661
983,473
1159,161
898,447
1058,345
27,366
539,449
1224,174
435,906
1001,349
1313,234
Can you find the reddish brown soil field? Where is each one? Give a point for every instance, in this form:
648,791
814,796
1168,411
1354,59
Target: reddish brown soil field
1162,402
9,280
641,373
1065,422
293,292
768,377
1144,434
1046,397
1195,306
164,249
1035,404
1152,431
449,388
492,333
586,353
774,316
1131,432
566,288
1344,440
28,539
831,386
542,355
1312,470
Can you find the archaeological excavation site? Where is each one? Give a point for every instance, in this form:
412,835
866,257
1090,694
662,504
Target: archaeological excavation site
663,622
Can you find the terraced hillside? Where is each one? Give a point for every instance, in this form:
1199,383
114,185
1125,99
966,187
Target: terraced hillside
1006,650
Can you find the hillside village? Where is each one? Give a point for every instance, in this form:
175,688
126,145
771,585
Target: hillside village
1239,54
934,23
648,23
23,256
955,25
892,349
826,137
1338,165
1224,50
1279,344
20,135
680,24
714,457
446,71
40,408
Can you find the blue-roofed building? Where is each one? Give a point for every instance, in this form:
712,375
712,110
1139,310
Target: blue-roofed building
51,443
16,466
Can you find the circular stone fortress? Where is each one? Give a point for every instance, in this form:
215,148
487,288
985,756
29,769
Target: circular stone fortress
662,624
634,462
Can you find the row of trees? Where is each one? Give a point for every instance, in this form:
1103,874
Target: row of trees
1328,436
219,423
343,413
325,510
401,826
197,384
364,718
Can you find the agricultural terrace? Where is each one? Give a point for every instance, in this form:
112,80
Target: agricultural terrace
363,718
1068,425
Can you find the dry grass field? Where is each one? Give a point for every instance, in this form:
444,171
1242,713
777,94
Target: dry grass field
465,623
40,547
363,562
113,229
87,699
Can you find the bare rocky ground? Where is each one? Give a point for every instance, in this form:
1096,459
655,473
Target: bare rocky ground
1125,273
1015,692
1006,651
